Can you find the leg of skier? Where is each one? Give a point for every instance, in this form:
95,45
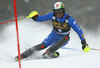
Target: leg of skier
31,50
51,51
51,39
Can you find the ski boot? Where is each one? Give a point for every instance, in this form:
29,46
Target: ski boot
48,54
25,54
16,58
31,51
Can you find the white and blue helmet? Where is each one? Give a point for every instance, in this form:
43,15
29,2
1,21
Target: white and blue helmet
58,6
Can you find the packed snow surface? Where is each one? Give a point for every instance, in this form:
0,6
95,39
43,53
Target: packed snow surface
32,33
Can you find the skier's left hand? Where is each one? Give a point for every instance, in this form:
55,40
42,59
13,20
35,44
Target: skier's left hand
32,14
85,46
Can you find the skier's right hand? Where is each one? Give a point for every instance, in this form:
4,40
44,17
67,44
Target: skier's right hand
85,46
33,14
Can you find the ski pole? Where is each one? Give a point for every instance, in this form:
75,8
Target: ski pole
78,50
94,49
13,20
69,48
29,16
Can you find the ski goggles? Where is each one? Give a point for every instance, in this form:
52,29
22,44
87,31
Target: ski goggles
59,11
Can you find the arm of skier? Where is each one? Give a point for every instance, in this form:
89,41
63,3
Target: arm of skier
44,17
76,28
79,31
36,17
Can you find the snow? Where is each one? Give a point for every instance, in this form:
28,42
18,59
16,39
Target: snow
26,1
32,33
9,7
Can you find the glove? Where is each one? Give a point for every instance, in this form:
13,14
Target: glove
33,15
85,46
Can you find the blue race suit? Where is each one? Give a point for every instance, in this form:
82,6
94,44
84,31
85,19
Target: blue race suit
55,36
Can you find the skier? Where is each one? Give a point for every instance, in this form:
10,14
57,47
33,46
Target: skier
59,36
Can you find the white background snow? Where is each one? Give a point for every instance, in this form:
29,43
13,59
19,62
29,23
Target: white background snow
32,33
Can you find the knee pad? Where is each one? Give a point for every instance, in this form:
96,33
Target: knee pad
40,46
59,43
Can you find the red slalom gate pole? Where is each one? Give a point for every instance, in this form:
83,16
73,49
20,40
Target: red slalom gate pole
15,11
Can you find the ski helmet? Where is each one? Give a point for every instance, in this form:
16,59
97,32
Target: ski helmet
59,6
